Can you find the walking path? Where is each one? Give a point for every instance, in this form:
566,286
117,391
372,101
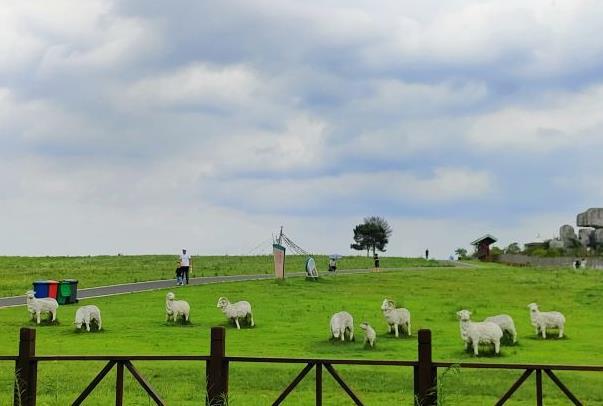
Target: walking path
170,283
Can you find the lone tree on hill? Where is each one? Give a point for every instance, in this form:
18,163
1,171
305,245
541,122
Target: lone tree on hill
373,234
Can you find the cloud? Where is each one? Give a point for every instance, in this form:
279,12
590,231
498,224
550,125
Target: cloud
216,122
561,120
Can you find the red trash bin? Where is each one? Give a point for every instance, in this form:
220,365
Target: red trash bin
53,287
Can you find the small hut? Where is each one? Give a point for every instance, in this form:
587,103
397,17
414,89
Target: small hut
482,246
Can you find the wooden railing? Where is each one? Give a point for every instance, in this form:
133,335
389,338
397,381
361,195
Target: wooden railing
218,365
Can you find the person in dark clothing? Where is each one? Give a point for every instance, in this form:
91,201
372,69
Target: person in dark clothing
427,254
376,259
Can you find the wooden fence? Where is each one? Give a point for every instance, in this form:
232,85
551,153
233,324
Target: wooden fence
218,365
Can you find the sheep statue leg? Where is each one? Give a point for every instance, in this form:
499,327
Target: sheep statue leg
351,335
408,328
342,334
561,331
38,317
87,322
54,315
475,348
497,347
389,328
396,330
100,323
543,329
252,323
237,323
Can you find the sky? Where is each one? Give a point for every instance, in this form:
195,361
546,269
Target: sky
145,127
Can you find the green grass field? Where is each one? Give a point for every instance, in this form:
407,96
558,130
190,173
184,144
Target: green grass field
17,273
292,320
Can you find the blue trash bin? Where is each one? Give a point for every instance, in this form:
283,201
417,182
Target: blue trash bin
41,288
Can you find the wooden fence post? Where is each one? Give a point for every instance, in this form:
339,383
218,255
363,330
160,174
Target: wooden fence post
26,369
426,384
217,369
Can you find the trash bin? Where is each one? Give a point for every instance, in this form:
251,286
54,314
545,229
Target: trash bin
40,288
52,289
73,287
64,292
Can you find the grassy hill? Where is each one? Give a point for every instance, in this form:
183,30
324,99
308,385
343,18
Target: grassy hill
17,273
292,320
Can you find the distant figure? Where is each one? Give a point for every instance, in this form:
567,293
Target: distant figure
178,274
583,263
427,253
376,259
186,263
332,265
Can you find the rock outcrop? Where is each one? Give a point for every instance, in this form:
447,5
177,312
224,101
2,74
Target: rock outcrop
591,218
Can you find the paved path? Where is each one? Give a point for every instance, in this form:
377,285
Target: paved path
170,283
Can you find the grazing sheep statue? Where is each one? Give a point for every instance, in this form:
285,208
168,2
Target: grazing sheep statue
340,323
505,322
476,333
370,336
396,317
544,320
36,306
236,311
176,308
86,315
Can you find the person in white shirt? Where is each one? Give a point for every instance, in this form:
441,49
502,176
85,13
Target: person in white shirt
186,265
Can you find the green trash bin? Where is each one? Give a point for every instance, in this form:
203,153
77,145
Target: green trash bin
73,286
64,292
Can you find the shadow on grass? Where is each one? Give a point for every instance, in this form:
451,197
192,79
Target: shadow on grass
549,337
43,323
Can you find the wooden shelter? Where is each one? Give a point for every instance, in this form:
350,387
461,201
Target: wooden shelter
482,246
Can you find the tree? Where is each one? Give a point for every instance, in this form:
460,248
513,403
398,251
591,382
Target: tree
461,252
373,234
513,248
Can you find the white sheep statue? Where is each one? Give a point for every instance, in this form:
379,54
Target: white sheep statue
36,306
341,323
476,333
506,324
396,318
370,336
236,311
86,315
543,320
176,308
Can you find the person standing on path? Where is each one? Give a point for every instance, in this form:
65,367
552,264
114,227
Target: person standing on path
427,253
186,265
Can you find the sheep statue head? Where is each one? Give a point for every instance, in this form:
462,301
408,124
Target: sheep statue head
364,325
30,294
388,304
222,303
463,315
533,307
170,296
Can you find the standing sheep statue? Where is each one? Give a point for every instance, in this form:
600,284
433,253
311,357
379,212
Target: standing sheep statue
236,311
505,322
543,320
86,315
176,308
341,323
370,336
36,306
476,333
396,318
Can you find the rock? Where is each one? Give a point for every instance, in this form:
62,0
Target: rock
598,237
591,218
568,236
586,236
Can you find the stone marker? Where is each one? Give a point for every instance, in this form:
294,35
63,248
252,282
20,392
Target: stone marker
586,236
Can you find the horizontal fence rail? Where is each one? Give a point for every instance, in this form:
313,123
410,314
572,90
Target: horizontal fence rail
218,365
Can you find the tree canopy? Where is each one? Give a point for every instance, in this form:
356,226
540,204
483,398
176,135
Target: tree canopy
373,235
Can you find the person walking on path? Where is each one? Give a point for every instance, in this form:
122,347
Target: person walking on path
427,253
186,265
